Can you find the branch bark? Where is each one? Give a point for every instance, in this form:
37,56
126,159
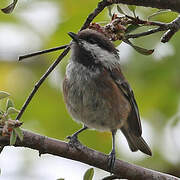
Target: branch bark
174,5
83,154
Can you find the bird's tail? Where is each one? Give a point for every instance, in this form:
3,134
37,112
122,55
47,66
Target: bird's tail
136,143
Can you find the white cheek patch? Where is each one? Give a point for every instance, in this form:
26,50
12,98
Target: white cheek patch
109,60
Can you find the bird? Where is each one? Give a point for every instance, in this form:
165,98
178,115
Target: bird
97,94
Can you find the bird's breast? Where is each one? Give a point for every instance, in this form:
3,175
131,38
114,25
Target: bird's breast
92,98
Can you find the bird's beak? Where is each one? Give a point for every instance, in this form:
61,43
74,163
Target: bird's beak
73,36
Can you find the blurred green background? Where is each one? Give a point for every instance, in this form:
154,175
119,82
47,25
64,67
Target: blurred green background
155,79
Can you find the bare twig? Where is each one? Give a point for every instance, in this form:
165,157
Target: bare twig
38,84
100,7
172,28
42,52
83,154
137,35
137,20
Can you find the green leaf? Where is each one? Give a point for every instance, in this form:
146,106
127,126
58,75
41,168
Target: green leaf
110,10
140,49
161,11
143,50
117,43
9,104
13,137
89,174
132,8
3,94
120,10
132,27
12,110
10,8
19,133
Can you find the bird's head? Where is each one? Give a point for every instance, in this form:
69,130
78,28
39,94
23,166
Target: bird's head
92,48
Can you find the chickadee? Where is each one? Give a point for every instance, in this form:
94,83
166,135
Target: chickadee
97,94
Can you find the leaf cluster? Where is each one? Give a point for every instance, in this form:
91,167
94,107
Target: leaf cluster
9,126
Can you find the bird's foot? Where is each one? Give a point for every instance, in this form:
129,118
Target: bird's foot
111,161
74,142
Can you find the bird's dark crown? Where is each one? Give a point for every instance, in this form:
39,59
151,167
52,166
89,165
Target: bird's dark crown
94,37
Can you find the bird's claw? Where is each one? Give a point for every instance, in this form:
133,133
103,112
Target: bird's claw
111,161
73,141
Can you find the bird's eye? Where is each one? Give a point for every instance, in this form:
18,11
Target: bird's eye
92,41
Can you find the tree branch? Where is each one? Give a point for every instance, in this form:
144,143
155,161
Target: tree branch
174,5
83,154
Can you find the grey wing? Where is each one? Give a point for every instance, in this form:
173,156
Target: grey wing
133,120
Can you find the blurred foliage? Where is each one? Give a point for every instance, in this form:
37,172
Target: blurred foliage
156,82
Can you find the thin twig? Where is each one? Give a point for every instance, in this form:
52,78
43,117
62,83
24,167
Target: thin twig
136,20
172,28
42,52
38,84
151,31
100,7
